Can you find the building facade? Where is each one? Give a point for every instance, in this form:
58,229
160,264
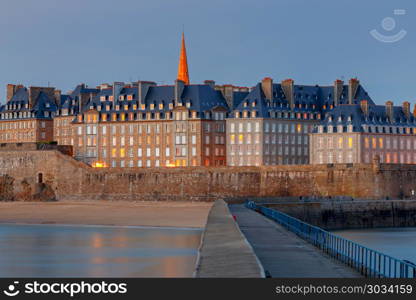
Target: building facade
363,132
27,115
271,124
145,125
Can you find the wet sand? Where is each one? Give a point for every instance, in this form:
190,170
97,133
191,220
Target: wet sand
121,213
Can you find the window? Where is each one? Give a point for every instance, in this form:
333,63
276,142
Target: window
148,152
350,142
340,142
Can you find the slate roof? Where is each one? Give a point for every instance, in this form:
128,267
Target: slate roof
377,116
306,98
20,103
200,98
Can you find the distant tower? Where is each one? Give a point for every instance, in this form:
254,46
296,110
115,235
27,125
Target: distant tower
183,74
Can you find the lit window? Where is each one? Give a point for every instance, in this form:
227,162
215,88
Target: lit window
340,142
350,142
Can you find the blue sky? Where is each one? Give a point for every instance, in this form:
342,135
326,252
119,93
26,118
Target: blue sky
238,42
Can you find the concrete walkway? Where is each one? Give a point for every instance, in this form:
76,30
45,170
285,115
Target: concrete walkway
224,251
282,253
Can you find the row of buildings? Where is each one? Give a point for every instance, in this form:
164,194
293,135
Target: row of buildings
142,124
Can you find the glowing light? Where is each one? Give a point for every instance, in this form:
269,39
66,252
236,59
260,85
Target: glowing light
99,164
170,165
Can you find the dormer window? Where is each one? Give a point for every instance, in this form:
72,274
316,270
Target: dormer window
129,97
245,104
47,105
102,98
254,104
152,106
126,107
160,105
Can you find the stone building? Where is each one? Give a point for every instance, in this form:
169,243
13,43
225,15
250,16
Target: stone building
145,125
69,106
27,115
360,133
142,124
271,124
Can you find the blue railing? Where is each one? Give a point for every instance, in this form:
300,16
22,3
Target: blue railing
368,262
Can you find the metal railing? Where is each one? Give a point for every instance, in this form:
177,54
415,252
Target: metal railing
368,262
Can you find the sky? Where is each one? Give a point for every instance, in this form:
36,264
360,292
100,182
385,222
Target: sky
63,43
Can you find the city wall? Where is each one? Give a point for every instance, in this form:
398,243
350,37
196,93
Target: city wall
51,175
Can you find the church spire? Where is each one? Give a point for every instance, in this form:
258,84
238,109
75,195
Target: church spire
183,63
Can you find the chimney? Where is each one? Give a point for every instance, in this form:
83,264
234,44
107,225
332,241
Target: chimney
179,86
57,94
338,87
406,109
364,107
228,93
352,89
267,87
211,83
143,88
34,92
117,87
288,90
389,110
10,90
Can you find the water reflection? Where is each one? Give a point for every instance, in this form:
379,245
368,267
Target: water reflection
89,251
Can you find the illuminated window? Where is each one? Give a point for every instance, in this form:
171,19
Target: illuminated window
340,142
350,142
126,107
123,117
122,152
114,117
233,139
104,117
299,128
240,138
374,143
366,143
380,140
114,152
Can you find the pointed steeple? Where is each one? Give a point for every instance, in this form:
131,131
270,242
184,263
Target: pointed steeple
183,63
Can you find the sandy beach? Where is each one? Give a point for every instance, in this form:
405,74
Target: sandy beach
122,213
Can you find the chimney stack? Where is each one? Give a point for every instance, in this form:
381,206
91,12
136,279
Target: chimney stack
406,109
352,89
179,86
338,87
11,91
57,94
34,92
288,90
143,88
267,87
389,110
211,83
364,107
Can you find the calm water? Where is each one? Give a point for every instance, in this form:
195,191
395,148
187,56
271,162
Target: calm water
96,251
397,242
